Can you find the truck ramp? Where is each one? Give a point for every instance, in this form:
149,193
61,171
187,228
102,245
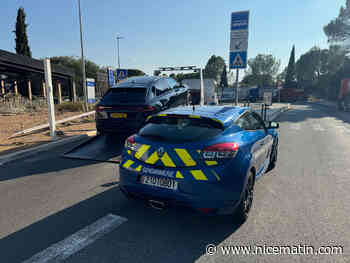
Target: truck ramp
101,148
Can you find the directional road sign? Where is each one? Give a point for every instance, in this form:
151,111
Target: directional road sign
239,39
122,74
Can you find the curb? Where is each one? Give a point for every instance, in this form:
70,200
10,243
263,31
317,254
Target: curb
279,112
41,148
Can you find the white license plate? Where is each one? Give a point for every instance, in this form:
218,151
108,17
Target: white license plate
159,182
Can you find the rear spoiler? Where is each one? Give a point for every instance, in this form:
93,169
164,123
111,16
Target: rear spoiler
189,116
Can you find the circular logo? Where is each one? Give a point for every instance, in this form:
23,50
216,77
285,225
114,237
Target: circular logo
160,152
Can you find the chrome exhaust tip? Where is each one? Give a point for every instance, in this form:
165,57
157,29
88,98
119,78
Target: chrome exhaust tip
158,205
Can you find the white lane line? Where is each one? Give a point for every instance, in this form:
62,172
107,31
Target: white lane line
77,241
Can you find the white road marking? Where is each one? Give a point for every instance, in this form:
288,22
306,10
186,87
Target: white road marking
77,241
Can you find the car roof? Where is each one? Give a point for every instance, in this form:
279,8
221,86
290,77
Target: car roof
141,81
225,114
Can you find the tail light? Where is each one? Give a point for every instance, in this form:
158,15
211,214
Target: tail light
148,108
220,151
130,143
101,108
100,112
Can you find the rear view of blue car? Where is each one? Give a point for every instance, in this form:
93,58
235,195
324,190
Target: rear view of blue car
207,158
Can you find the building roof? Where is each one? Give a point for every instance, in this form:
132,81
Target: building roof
11,61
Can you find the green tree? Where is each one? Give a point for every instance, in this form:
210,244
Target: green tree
22,46
214,68
290,74
338,29
262,70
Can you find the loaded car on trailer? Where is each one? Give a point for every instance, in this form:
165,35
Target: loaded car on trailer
125,107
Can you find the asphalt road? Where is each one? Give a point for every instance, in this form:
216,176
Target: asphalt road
305,200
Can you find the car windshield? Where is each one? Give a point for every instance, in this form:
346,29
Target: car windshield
175,130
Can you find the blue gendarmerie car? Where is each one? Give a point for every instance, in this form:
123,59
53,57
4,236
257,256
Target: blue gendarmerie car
207,158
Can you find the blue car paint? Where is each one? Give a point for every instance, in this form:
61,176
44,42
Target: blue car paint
223,195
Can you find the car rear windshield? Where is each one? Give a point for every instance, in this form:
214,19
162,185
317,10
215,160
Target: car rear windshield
177,130
117,95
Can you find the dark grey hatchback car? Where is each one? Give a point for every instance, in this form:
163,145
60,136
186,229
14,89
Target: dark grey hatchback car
125,107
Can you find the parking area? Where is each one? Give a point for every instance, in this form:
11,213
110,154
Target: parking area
76,212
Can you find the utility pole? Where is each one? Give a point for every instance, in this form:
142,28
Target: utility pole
83,61
118,37
237,75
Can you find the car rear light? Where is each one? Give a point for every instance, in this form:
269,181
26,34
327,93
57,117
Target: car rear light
99,108
148,108
130,143
206,210
220,151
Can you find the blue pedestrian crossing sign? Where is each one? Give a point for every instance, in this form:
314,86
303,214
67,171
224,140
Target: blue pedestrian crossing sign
239,39
122,74
238,60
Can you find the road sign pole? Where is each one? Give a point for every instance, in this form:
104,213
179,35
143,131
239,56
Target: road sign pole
237,77
83,61
49,93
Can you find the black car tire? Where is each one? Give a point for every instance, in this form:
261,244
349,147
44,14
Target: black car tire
242,211
273,158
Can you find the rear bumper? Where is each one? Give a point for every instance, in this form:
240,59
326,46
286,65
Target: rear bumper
219,197
118,126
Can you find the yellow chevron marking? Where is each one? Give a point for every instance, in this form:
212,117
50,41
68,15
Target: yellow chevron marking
199,175
179,175
185,157
153,158
141,151
128,163
139,168
162,115
149,117
167,160
209,163
129,152
194,116
216,175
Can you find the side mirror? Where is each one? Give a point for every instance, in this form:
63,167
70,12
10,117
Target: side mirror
272,125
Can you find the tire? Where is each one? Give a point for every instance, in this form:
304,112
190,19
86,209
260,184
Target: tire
242,211
273,158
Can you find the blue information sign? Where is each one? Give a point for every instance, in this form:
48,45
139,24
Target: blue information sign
110,74
239,40
122,74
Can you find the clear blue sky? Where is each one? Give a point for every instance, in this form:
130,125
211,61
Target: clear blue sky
166,33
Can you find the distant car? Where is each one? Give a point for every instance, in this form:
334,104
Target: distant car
207,158
125,107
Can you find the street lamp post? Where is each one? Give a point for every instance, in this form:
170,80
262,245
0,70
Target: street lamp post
118,37
83,60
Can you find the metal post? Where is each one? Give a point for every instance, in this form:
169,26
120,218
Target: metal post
44,89
49,93
202,87
118,37
83,61
74,92
237,75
